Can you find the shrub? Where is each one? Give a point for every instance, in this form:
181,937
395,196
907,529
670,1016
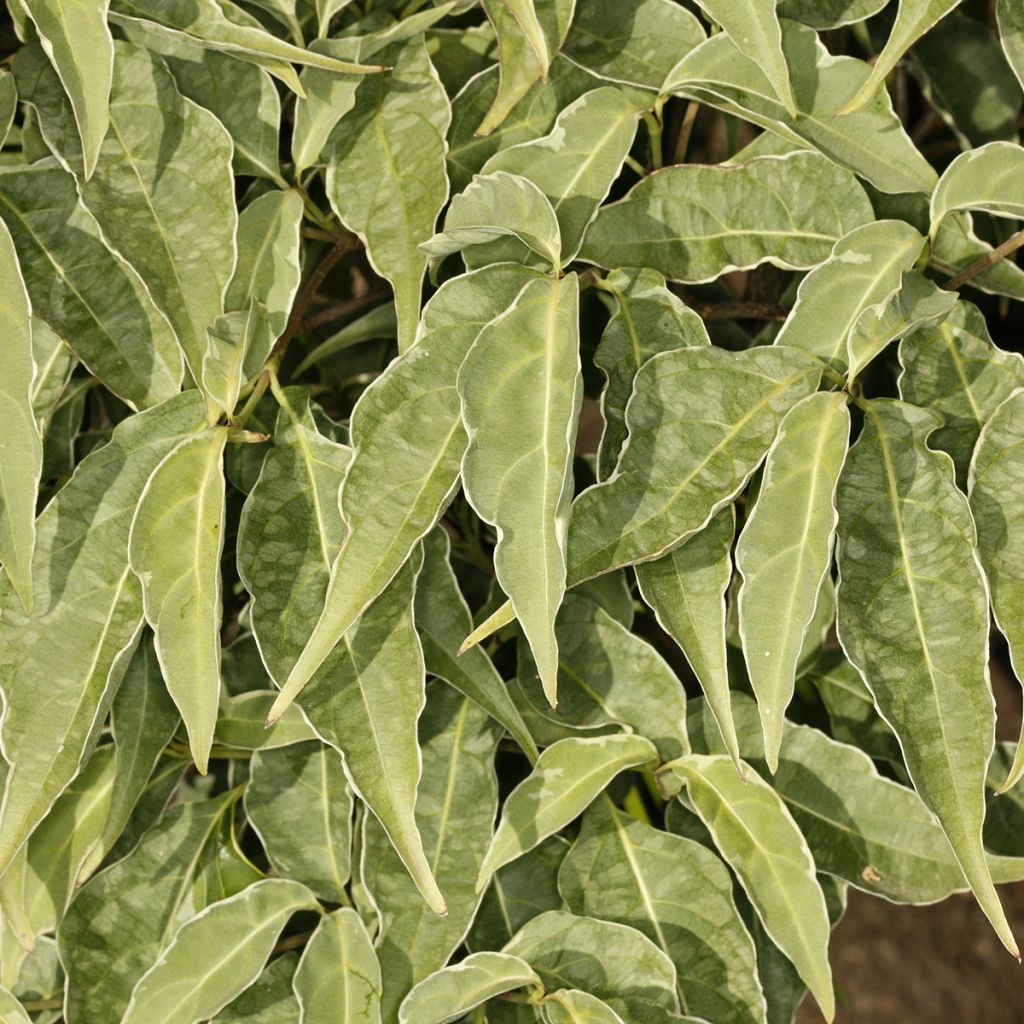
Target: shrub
488,531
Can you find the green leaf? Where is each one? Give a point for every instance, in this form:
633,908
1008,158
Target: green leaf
21,453
864,268
648,319
163,194
234,339
914,19
54,363
636,42
379,322
915,303
525,13
518,59
498,206
177,535
268,1000
240,931
785,551
406,428
607,674
870,142
829,13
85,293
695,223
759,839
913,618
386,173
8,104
11,1010
567,777
686,591
988,178
121,919
76,38
365,702
1010,20
674,474
679,894
638,982
85,622
533,461
954,368
242,723
448,994
442,620
223,869
996,490
298,803
755,32
338,977
455,807
571,1006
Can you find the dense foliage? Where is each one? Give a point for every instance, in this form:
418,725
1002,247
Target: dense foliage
503,504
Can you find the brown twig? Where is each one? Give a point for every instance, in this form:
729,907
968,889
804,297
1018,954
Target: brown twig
739,311
337,310
1013,243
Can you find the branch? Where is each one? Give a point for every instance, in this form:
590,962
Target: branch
1013,243
740,311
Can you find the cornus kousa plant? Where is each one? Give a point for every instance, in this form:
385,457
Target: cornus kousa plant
506,507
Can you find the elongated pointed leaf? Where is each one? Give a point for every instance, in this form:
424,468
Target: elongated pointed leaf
88,295
455,807
996,488
915,17
86,618
532,461
21,451
1010,20
954,368
988,178
338,977
231,341
122,919
567,777
757,836
686,591
785,551
443,620
701,222
365,702
870,142
242,723
177,535
415,400
754,29
234,936
77,40
913,618
385,177
565,950
864,268
678,472
679,895
298,803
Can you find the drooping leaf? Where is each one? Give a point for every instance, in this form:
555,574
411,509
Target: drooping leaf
223,870
88,295
338,977
177,535
231,341
448,994
785,551
78,41
386,177
913,618
870,142
534,461
686,591
241,929
365,702
696,223
914,19
679,895
864,268
567,776
21,451
757,836
988,178
411,411
86,618
298,803
122,918
678,472
455,807
639,982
